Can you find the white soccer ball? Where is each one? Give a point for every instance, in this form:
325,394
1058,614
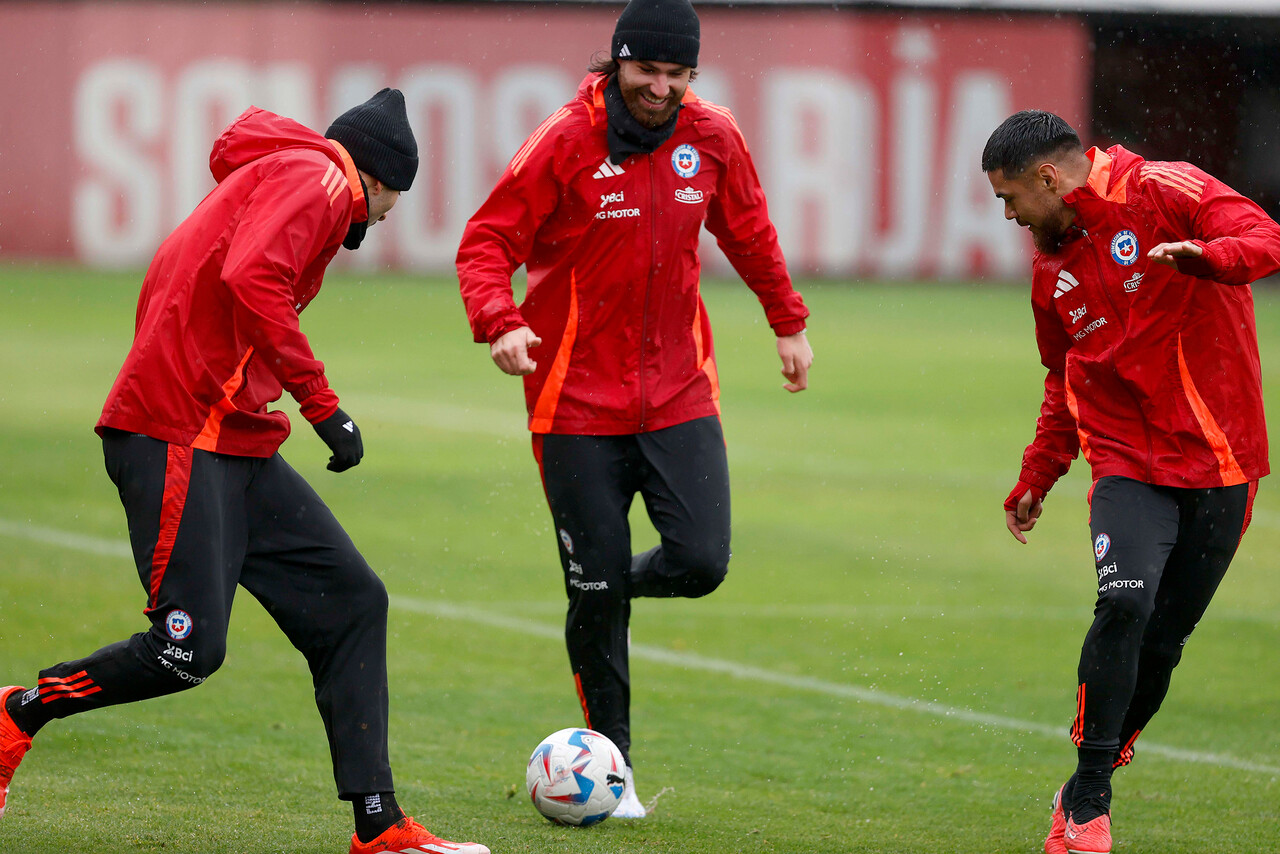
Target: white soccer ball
575,777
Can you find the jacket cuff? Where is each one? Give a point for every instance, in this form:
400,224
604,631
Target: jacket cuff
1043,482
501,327
319,405
1207,266
788,327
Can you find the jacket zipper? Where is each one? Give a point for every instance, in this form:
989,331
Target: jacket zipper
1102,285
644,311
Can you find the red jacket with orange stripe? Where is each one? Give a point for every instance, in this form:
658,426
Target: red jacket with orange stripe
1153,372
216,335
612,257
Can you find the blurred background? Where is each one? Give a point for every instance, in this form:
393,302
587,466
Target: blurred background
866,120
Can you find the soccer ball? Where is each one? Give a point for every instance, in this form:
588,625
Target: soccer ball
575,777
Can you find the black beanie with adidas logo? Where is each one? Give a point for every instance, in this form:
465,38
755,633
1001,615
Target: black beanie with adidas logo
658,31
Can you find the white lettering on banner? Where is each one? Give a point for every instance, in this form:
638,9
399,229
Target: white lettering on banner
115,209
972,220
441,102
820,142
874,173
911,163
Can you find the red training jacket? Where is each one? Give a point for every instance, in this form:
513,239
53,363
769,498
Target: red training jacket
612,257
1153,373
216,336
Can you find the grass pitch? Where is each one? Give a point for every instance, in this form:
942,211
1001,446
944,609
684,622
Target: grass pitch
885,669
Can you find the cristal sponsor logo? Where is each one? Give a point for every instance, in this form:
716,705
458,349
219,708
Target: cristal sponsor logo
1066,282
1077,314
1109,569
1131,283
1097,324
181,674
575,567
609,198
689,196
174,652
588,585
1122,584
618,213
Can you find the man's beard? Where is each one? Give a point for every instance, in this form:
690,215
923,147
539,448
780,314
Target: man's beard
1048,237
643,112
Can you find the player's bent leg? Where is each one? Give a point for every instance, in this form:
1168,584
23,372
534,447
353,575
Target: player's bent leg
686,491
408,837
304,569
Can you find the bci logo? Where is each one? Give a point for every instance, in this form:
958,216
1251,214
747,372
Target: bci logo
611,198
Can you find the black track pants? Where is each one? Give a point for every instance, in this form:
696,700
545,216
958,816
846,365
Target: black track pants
202,524
1160,555
683,476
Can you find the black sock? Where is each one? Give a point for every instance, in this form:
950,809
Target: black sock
1091,794
375,812
29,718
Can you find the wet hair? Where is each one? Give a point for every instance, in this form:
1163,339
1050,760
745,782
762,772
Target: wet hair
602,63
1027,136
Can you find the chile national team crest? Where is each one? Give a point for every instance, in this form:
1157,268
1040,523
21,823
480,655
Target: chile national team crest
178,624
686,161
1100,546
1124,247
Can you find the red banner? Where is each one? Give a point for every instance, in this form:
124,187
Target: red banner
866,127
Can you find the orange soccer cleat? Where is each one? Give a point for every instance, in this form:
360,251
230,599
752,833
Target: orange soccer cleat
1093,837
14,744
1055,842
406,836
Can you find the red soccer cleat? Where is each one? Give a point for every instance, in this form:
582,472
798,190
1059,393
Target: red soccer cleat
406,836
1055,842
14,744
1093,837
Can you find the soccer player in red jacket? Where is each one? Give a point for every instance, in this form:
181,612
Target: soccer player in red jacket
604,205
193,449
1144,320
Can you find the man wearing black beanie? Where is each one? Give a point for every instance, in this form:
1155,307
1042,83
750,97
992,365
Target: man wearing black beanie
193,448
604,205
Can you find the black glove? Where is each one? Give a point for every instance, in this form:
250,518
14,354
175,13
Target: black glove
342,436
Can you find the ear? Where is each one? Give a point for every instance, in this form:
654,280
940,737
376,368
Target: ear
1047,176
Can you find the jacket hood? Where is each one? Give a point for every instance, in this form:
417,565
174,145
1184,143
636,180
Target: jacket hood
257,133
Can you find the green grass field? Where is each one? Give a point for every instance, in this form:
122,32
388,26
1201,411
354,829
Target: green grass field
885,669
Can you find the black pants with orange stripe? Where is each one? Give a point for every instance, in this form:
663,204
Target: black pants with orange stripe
201,525
1160,554
682,473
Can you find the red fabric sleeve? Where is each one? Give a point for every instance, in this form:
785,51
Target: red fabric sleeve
1241,243
286,223
1057,439
738,216
500,236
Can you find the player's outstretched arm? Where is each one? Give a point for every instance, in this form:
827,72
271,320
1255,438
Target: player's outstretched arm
797,356
511,351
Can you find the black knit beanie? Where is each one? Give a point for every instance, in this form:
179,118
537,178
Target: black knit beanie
377,136
659,31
